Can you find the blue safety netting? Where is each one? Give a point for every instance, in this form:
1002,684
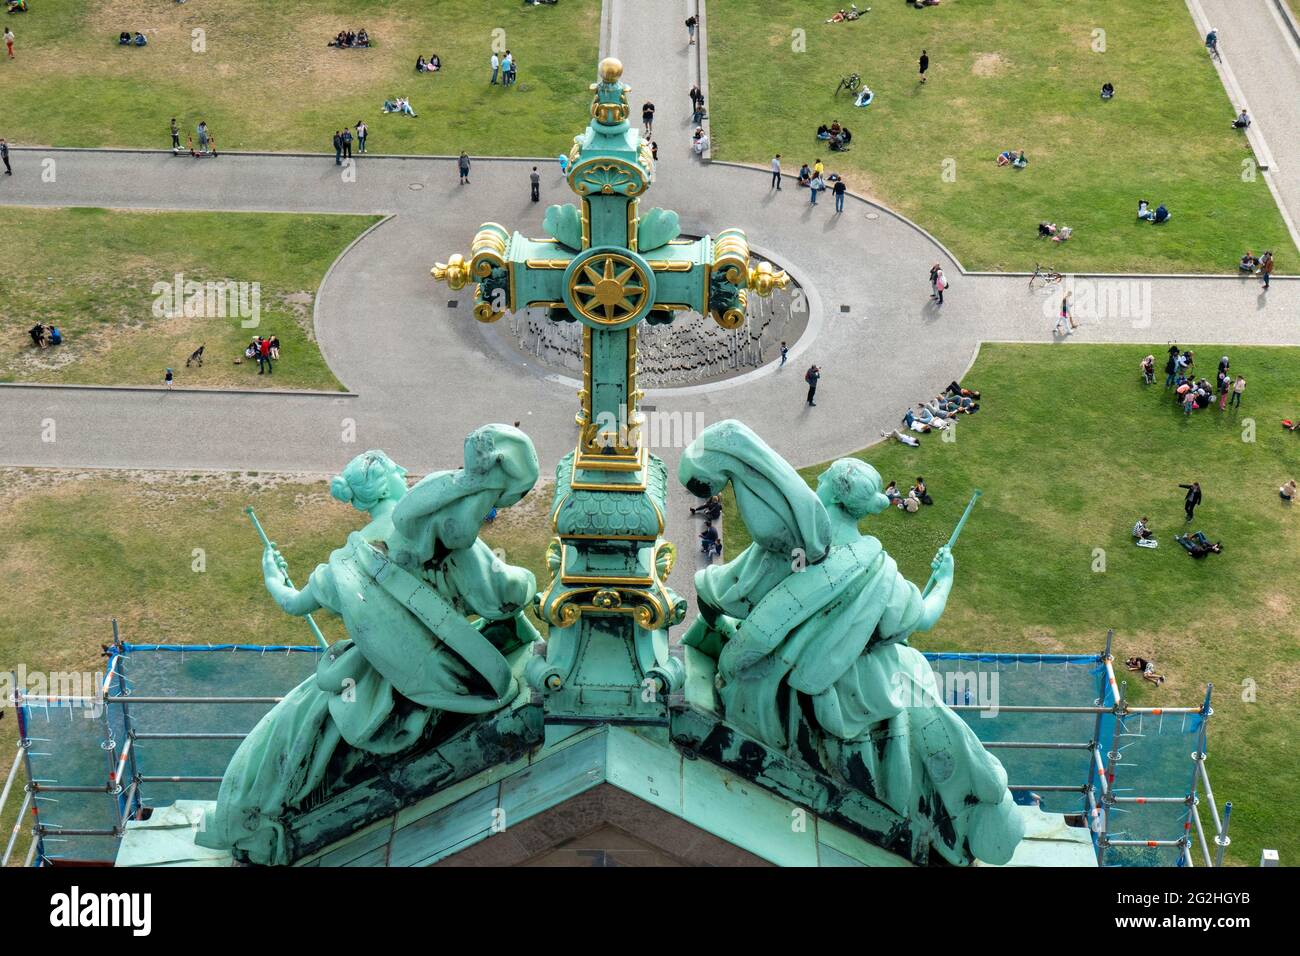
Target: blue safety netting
1153,752
74,745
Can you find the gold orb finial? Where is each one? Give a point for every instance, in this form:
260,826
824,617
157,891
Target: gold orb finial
610,69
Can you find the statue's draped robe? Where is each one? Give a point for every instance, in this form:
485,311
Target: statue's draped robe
377,691
831,637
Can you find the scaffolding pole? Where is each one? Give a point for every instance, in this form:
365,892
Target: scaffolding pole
18,827
24,741
127,726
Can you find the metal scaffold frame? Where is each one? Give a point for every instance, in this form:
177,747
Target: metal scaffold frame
1099,790
124,782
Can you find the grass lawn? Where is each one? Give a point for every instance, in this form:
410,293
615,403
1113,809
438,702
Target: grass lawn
266,79
1061,479
91,273
102,545
1019,75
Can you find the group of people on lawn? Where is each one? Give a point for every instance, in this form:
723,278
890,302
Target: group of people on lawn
348,40
936,414
1191,393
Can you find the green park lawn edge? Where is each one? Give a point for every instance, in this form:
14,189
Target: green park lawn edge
93,272
1069,449
261,75
1007,76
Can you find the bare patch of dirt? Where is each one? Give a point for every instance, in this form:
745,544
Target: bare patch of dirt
989,64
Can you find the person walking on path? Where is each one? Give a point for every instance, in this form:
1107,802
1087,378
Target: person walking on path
691,23
496,67
535,180
1193,498
812,377
4,156
1066,318
362,132
776,172
1238,387
1266,267
463,165
9,42
648,117
840,190
176,136
347,143
924,64
338,148
785,354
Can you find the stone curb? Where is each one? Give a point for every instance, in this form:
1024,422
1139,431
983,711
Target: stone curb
1289,19
300,392
1263,155
702,67
315,305
272,153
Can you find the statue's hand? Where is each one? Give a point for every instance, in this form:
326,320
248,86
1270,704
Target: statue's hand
274,568
943,564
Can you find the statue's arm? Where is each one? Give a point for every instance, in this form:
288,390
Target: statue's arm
290,599
933,604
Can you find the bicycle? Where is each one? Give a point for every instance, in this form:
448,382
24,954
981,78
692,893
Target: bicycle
852,83
1044,277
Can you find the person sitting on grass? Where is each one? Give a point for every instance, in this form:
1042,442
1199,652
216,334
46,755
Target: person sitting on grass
420,65
1046,230
711,509
710,541
1287,491
823,131
1248,263
16,6
362,38
1006,156
1242,120
1149,370
1144,209
1141,530
1107,90
891,492
434,64
124,38
139,39
919,492
955,388
1160,215
1019,161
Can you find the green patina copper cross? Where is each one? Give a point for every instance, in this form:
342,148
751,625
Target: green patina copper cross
610,267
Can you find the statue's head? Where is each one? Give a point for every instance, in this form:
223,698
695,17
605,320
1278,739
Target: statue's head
852,485
368,479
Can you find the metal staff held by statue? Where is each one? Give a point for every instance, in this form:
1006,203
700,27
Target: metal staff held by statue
952,541
266,543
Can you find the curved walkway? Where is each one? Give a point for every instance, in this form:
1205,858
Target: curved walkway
425,372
